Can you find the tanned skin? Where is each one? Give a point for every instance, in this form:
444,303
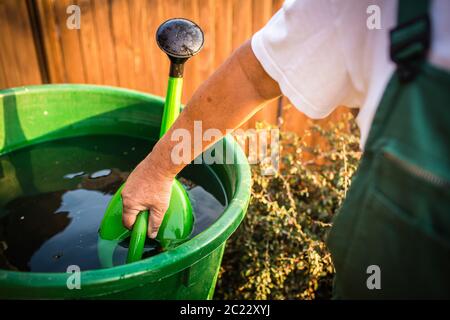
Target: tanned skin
230,96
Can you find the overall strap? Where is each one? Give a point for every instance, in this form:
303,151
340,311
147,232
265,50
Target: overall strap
410,40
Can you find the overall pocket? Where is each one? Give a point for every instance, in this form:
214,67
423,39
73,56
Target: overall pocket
404,229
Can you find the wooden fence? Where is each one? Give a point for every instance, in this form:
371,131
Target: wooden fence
116,46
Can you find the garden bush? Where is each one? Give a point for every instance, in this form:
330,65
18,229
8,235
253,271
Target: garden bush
279,250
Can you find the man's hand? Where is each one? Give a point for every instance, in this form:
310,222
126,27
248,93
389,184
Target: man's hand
236,91
146,188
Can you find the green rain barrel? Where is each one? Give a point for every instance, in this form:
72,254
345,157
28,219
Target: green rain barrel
35,114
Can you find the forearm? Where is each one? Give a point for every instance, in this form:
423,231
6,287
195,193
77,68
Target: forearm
236,91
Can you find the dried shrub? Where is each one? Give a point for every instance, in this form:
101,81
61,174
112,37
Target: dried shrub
279,250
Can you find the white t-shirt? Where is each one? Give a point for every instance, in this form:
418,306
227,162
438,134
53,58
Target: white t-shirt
322,54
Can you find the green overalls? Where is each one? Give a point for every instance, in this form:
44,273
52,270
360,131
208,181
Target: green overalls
397,213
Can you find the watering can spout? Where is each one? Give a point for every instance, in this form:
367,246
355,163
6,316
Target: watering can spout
180,39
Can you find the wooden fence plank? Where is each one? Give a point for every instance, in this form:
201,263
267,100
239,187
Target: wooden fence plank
74,64
18,57
106,50
52,45
139,35
191,10
207,20
8,53
89,43
224,38
121,29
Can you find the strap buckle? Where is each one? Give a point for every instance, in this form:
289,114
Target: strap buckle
410,42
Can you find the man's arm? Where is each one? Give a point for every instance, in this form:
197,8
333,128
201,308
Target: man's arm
237,90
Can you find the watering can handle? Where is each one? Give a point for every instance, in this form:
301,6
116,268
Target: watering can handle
138,236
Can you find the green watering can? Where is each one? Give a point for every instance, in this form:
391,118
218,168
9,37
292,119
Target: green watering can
180,39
